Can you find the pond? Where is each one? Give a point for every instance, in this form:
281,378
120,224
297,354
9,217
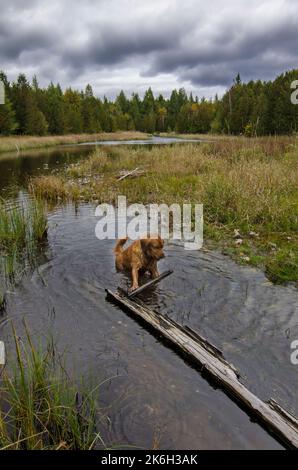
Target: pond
151,396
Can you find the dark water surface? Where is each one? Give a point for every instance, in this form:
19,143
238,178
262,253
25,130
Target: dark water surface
155,398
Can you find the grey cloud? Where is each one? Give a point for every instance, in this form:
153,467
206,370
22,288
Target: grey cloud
18,34
113,47
12,49
231,51
194,43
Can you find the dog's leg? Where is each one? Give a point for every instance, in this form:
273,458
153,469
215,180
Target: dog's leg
154,271
119,266
135,279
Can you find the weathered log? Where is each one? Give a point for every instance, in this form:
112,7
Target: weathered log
270,415
133,173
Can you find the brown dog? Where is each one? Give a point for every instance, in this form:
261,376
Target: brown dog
141,255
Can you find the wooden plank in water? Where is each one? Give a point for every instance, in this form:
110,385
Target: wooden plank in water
150,283
278,421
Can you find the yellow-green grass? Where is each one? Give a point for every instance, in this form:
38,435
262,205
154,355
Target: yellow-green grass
18,143
41,408
206,137
21,225
22,228
245,184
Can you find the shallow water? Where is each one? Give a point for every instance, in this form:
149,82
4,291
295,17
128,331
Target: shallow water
154,140
153,397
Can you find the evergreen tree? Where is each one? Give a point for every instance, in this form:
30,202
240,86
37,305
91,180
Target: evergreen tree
54,109
8,122
36,123
72,112
90,112
21,100
135,111
253,108
122,102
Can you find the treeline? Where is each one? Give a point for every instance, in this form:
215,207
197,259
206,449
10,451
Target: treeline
253,108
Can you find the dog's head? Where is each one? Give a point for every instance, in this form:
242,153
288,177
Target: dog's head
153,247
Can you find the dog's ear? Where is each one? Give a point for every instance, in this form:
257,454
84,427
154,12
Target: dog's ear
161,241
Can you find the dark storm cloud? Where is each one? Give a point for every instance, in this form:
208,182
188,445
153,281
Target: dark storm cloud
111,47
21,32
13,47
232,50
131,44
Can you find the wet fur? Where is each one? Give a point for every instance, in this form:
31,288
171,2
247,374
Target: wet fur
141,256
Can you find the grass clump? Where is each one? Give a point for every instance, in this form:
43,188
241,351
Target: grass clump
22,229
22,225
51,187
40,407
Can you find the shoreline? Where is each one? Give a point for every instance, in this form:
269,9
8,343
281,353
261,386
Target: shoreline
20,143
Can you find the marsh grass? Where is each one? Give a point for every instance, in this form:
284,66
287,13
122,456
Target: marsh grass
40,406
2,303
51,187
18,143
245,184
204,137
20,225
22,229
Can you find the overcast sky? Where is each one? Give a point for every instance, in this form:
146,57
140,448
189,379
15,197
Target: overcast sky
134,44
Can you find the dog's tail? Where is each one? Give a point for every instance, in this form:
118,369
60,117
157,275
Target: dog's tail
119,245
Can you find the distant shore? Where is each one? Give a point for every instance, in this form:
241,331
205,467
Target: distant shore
18,143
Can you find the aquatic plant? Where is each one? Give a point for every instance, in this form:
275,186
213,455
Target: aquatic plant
41,408
50,187
22,228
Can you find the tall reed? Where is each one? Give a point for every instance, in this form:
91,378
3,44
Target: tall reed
22,228
40,406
